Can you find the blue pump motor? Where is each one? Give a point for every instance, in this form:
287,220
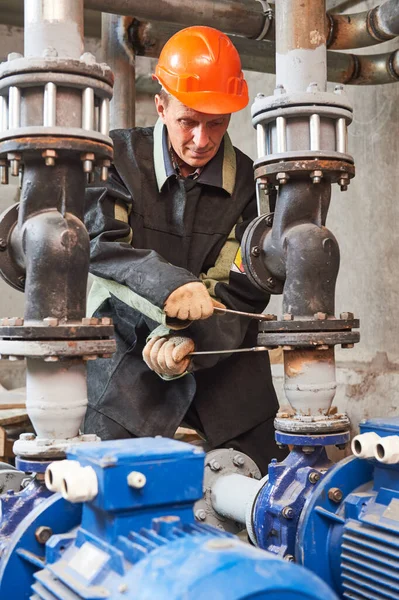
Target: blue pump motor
137,538
341,521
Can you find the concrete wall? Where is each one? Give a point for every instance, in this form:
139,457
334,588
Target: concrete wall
364,220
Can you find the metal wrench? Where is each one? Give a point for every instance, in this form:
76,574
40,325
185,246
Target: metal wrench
258,317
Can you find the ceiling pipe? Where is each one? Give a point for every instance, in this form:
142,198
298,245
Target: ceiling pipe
365,28
246,18
118,54
148,39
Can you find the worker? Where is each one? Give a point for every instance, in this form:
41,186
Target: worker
165,251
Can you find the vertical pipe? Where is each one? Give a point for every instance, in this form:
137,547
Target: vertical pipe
104,117
88,109
3,114
50,105
301,50
314,125
341,133
14,108
281,133
261,140
55,25
118,55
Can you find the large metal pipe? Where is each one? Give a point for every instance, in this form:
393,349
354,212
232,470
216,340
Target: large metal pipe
301,45
365,28
242,17
148,39
119,55
245,18
57,26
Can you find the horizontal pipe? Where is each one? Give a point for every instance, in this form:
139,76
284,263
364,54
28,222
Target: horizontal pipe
365,28
148,39
231,494
245,18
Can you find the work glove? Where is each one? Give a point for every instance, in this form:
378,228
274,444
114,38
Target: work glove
190,302
168,355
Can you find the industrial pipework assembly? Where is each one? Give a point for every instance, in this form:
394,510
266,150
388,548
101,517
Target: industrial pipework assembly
54,107
302,151
117,519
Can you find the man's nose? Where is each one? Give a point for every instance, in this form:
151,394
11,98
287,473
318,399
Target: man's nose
201,137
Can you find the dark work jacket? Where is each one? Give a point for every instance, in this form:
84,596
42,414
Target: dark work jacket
152,232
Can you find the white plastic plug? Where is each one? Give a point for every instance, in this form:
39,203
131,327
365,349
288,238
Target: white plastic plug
363,445
387,450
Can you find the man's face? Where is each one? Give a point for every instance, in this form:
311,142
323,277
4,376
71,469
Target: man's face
194,136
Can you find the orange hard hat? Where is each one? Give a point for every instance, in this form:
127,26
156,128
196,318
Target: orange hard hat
200,67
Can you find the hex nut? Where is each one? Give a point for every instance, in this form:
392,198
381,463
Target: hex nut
214,465
51,321
314,477
288,512
320,316
347,316
238,460
43,533
335,495
200,514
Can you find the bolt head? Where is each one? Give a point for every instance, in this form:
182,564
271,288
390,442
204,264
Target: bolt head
214,465
3,244
200,514
288,317
27,437
136,480
238,460
320,316
282,178
289,557
106,321
90,321
335,495
288,512
43,533
279,90
51,321
339,89
347,316
270,282
88,58
308,449
14,56
50,53
255,251
314,477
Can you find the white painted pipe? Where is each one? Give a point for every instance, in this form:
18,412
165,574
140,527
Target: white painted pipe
363,445
231,494
387,450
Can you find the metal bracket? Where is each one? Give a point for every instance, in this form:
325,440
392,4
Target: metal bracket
268,14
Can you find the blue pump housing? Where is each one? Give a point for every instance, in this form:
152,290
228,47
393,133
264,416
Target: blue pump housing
142,544
343,523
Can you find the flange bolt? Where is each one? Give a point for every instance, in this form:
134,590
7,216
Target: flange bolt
214,465
335,495
314,477
42,534
288,512
200,514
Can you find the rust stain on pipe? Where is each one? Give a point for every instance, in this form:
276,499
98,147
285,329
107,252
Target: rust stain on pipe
302,25
297,360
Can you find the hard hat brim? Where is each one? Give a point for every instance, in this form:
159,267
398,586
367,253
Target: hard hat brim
211,103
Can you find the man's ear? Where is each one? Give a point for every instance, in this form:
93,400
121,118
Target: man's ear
159,105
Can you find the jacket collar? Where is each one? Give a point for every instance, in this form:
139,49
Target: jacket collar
219,172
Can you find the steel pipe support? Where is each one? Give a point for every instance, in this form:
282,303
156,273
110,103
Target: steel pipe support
119,55
55,27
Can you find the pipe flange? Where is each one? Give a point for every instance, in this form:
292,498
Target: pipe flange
53,350
310,339
317,424
86,67
219,463
292,325
312,99
331,169
38,448
51,329
252,245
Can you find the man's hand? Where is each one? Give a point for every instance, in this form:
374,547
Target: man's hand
168,355
190,302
